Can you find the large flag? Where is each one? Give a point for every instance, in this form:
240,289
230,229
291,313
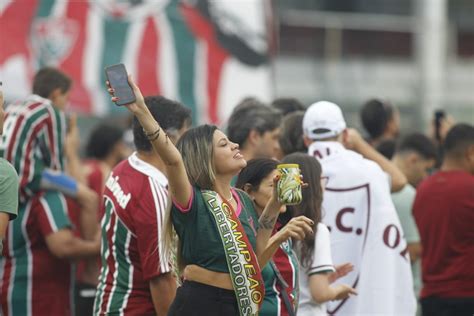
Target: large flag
209,54
366,231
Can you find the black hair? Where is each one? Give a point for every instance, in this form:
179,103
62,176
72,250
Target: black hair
246,118
49,79
387,148
310,206
171,115
458,139
255,171
418,143
102,140
291,136
288,105
248,101
375,115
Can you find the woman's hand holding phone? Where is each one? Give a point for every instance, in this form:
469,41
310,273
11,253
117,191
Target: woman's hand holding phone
134,107
138,108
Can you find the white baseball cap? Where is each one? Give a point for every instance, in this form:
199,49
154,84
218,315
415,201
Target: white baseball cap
323,120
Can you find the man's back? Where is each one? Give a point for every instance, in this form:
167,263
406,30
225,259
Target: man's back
444,212
135,201
33,139
346,169
365,231
35,282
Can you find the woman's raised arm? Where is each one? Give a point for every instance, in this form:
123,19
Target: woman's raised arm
178,184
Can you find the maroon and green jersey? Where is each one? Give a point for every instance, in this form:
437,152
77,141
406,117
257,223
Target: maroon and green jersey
135,200
286,262
33,281
33,139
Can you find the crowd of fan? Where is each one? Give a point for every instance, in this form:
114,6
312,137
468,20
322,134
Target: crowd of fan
89,235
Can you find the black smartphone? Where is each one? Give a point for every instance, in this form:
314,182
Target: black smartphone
118,79
438,116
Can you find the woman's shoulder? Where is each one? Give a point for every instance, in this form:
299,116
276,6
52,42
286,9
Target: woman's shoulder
244,197
192,204
240,192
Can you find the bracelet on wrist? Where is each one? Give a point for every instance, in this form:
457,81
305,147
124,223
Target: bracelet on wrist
153,135
147,134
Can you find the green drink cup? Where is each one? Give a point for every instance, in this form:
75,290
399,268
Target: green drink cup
289,186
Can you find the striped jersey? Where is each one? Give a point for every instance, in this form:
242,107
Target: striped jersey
286,262
33,138
32,280
135,199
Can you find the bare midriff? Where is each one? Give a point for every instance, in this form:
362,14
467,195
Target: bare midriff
201,275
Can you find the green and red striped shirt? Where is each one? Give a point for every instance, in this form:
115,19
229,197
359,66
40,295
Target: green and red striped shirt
32,280
135,200
287,263
33,140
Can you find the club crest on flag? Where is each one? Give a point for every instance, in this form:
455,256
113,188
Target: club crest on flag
348,218
53,39
189,50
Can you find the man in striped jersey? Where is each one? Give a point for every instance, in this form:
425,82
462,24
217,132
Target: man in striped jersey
36,278
135,279
104,150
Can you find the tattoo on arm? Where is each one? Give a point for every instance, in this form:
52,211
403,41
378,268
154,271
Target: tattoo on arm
267,222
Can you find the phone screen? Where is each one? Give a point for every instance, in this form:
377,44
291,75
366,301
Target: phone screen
118,78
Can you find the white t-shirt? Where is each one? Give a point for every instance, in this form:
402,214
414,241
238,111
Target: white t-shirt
365,231
321,263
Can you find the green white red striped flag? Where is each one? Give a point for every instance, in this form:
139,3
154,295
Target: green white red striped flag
208,54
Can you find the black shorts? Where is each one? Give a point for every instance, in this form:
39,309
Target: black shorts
85,296
196,299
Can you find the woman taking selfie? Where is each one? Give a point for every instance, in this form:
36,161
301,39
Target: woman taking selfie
215,224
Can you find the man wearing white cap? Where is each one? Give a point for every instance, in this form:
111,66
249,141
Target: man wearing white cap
358,209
